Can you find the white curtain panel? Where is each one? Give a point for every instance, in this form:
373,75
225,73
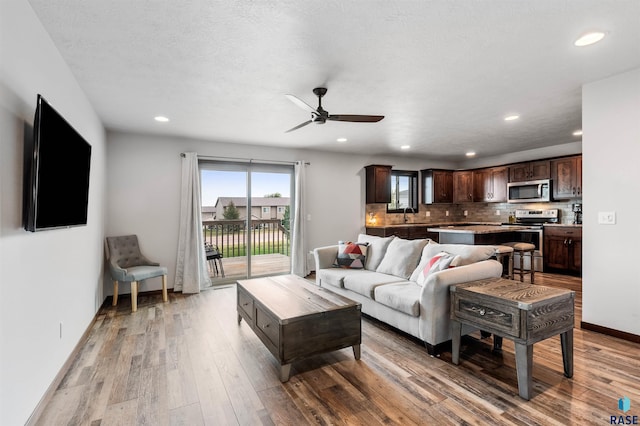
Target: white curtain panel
298,241
191,267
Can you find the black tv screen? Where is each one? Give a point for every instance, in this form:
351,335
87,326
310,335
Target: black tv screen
56,173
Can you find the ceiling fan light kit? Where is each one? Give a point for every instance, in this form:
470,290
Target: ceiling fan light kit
320,115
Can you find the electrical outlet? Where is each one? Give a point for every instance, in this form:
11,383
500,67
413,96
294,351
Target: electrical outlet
446,213
607,218
497,212
466,213
427,214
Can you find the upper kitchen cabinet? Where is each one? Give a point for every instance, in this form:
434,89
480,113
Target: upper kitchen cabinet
462,186
566,175
534,170
378,184
437,186
490,185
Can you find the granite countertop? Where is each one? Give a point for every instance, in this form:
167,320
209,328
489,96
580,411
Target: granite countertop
478,229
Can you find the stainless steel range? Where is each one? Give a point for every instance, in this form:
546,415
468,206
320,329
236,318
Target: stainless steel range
534,220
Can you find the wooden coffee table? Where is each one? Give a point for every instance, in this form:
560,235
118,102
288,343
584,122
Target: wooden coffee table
296,319
525,313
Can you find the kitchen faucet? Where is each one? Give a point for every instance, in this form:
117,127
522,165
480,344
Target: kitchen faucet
405,213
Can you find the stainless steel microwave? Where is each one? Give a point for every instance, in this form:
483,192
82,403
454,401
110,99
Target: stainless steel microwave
533,191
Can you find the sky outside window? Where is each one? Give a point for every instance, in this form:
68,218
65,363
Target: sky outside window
233,184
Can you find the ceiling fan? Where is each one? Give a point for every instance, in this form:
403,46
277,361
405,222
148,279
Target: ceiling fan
320,116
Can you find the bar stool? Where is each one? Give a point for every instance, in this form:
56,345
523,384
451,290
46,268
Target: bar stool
522,249
501,253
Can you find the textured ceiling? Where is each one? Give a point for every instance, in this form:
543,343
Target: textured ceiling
444,73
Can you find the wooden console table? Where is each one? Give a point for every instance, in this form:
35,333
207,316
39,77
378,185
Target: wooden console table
296,319
525,313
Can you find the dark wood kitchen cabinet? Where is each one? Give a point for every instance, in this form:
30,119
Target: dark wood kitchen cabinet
462,186
378,184
437,186
490,185
533,170
566,174
563,248
408,232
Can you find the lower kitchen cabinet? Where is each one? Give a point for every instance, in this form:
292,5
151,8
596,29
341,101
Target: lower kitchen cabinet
408,232
563,249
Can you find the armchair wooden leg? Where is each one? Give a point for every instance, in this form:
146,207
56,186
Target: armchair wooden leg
134,296
164,289
115,293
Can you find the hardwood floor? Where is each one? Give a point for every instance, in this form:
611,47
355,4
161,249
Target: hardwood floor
189,362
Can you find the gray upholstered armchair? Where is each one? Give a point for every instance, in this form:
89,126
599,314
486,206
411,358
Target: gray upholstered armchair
128,264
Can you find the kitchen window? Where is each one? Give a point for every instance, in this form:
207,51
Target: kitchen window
404,191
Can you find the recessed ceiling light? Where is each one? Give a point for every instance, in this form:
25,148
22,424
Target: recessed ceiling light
589,38
511,117
405,147
161,119
577,133
341,139
470,154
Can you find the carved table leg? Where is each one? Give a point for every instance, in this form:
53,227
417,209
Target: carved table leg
285,370
524,367
356,351
566,341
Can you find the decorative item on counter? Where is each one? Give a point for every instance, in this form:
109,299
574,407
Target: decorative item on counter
372,218
512,217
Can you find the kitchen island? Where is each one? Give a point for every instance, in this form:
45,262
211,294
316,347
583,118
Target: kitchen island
477,234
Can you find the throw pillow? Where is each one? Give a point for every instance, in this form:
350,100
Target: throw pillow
376,249
468,254
439,262
402,257
351,255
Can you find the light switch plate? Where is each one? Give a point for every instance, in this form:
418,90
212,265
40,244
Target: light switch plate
607,218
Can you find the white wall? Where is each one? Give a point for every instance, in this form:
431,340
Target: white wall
611,182
51,276
143,173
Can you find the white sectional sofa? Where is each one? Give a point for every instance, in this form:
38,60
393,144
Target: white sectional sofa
387,286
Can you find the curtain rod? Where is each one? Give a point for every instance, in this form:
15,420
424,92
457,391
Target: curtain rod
204,157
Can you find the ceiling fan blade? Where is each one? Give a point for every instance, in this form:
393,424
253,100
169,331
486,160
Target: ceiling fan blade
356,118
298,126
302,104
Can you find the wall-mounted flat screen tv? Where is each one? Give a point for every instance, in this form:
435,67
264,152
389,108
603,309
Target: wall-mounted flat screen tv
56,175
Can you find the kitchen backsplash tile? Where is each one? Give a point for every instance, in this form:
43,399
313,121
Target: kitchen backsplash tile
376,214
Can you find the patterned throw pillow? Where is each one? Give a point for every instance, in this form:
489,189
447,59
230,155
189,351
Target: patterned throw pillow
439,262
351,255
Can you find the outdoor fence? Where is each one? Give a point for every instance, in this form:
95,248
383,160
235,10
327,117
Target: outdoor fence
266,236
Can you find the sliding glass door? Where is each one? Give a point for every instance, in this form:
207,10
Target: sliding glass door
246,210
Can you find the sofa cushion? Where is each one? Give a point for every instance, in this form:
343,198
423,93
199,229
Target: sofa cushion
366,281
351,255
403,297
376,250
335,276
439,262
402,257
468,254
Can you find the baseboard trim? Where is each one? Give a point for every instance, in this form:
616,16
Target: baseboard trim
610,332
48,394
